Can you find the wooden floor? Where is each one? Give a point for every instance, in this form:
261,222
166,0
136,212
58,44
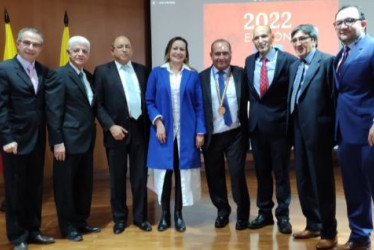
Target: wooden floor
200,233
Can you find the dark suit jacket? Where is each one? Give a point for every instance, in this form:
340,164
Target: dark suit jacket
22,117
355,102
111,98
70,117
269,114
241,98
316,100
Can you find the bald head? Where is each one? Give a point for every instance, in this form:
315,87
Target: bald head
122,49
263,39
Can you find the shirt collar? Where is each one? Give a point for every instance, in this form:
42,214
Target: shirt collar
167,67
309,57
76,69
215,70
269,56
25,64
119,65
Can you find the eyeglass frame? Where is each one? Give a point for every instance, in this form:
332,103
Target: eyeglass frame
300,39
27,43
349,21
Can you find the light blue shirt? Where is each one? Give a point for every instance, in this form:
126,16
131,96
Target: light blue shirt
270,65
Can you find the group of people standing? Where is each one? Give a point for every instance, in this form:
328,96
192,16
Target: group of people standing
163,118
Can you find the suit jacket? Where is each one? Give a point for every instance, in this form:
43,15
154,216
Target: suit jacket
22,117
355,87
111,99
316,100
158,99
269,114
70,116
205,77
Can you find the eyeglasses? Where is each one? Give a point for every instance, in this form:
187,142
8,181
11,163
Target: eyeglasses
349,21
27,43
301,39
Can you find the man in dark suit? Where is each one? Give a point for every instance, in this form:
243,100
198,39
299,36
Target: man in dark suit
266,76
120,89
22,136
225,109
354,78
70,107
311,109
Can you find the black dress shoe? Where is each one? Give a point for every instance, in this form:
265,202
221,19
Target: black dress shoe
284,226
74,236
221,221
119,227
179,222
89,229
262,220
164,221
145,226
241,224
41,239
21,246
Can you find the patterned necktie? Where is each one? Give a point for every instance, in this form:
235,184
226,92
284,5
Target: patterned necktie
32,75
133,101
296,85
227,114
344,57
264,81
81,77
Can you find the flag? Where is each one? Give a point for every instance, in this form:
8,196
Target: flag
64,42
10,49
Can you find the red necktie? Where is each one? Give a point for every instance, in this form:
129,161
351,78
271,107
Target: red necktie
264,81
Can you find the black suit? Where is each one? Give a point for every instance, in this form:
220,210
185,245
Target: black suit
71,120
232,143
313,126
22,120
268,132
113,110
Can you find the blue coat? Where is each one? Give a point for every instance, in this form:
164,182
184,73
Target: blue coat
355,103
158,100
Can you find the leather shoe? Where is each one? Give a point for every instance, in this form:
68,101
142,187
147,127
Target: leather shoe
119,227
354,245
179,222
284,226
145,226
326,243
41,239
21,246
262,220
241,224
74,236
306,234
89,229
221,221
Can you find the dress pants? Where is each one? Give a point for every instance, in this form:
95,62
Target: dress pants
272,153
135,149
23,177
72,182
230,143
357,166
315,182
166,189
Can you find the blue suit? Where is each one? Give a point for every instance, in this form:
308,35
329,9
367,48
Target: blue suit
158,100
354,117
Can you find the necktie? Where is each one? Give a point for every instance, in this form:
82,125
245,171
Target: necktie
32,75
264,81
133,101
344,57
81,77
296,85
222,85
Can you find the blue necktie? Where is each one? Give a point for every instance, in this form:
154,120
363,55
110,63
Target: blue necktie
296,86
133,103
227,114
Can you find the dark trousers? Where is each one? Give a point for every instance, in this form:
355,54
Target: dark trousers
357,166
135,149
315,183
72,182
231,144
166,189
23,177
272,154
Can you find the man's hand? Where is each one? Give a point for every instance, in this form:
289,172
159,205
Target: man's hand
118,132
371,136
11,148
59,151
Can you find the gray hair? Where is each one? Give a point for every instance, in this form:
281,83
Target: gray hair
74,40
307,29
32,30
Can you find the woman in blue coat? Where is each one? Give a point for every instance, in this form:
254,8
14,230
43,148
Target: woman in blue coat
175,107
